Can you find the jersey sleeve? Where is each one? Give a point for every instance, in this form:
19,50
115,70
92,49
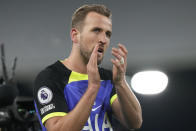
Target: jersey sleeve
49,97
113,95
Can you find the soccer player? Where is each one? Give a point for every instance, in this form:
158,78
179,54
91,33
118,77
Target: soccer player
75,94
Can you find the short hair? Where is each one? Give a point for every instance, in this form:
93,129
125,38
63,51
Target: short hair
80,14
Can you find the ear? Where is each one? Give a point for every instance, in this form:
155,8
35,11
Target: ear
75,35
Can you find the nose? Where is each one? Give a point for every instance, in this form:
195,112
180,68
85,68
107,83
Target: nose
103,38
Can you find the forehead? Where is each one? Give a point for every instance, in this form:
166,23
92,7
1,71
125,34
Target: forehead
94,19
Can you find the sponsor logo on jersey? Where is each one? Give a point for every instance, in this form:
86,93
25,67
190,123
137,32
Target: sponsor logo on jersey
44,95
94,109
46,108
97,124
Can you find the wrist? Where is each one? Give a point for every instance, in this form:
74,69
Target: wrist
94,85
120,82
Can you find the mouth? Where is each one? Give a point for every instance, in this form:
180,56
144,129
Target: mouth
100,50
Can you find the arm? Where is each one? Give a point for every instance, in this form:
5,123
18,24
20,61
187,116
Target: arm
76,119
126,107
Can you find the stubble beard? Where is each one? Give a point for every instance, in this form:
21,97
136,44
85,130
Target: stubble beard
86,56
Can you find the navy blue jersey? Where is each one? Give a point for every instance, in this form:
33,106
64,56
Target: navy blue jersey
57,91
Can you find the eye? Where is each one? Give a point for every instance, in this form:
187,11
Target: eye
108,34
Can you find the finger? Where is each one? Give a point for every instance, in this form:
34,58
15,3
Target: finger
116,54
93,57
119,54
117,64
119,51
123,48
122,53
95,50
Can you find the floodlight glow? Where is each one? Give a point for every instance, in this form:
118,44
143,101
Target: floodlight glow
149,82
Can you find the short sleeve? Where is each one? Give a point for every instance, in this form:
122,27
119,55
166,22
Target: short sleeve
49,96
113,95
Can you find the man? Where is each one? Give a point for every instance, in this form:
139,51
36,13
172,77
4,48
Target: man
75,94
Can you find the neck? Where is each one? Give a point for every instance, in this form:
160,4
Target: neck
75,62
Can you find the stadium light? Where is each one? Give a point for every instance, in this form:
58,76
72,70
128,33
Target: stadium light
149,82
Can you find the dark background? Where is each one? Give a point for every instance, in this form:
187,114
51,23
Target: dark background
159,35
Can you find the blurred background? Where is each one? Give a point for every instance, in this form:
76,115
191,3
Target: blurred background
159,35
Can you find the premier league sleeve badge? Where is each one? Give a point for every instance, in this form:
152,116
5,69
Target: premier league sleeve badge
44,95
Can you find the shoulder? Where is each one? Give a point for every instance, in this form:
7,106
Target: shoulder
54,72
